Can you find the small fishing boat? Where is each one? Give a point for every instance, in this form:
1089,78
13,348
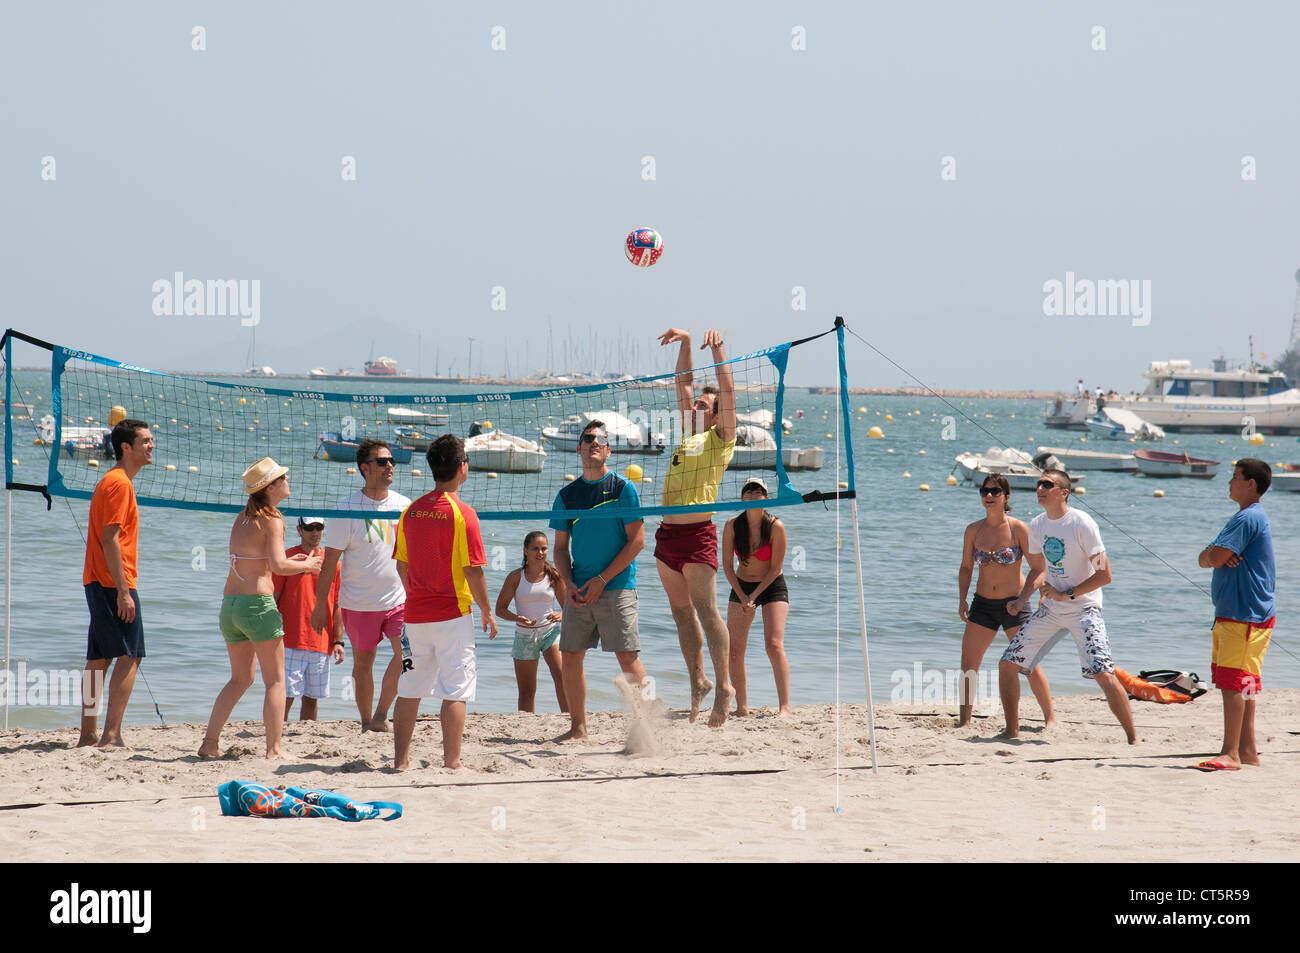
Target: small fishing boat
1015,465
756,450
504,453
1286,476
1160,463
413,438
413,418
334,447
1072,459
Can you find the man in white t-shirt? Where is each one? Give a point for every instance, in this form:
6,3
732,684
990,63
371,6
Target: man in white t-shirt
371,594
1068,565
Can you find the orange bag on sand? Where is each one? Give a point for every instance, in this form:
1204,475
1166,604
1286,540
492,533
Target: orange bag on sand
1146,691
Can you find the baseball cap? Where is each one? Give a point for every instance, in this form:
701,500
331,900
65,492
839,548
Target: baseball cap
758,482
305,521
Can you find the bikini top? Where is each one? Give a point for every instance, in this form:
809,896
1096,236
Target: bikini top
1003,557
234,560
763,552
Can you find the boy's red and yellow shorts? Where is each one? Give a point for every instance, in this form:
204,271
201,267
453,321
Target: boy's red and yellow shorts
1238,657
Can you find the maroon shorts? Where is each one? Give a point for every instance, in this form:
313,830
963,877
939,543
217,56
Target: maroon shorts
677,544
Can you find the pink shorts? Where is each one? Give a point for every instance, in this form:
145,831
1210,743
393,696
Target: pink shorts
367,629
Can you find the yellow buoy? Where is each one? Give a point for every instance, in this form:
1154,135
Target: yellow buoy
1158,494
633,472
862,410
416,473
170,466
1080,490
193,469
117,415
89,463
487,424
875,433
925,487
243,400
889,416
952,480
1256,439
221,428
492,476
844,485
921,452
569,478
349,469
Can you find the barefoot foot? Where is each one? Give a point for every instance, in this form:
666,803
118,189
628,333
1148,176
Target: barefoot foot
378,723
698,694
718,715
576,733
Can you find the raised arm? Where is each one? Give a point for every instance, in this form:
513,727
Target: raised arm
685,394
724,419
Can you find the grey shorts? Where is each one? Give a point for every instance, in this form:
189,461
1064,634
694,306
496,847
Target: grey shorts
609,621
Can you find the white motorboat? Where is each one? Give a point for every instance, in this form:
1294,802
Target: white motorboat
318,372
764,419
625,435
414,418
1016,465
1068,413
1115,423
1181,399
1074,460
504,453
756,450
1158,463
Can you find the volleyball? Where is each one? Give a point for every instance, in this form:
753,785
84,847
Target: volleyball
644,246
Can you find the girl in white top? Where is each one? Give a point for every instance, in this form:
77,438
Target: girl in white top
534,587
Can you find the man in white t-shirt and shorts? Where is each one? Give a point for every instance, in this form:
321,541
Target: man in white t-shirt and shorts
1068,565
371,595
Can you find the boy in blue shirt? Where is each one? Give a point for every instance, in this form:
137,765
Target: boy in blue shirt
1242,589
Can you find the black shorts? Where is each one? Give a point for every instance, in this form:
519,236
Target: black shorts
776,592
109,636
992,613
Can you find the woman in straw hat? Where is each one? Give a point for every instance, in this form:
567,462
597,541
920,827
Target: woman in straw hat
250,621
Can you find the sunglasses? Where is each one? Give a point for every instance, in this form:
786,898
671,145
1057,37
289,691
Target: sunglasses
1049,485
594,438
312,527
990,491
382,461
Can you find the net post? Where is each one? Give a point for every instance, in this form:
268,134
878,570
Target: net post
9,498
857,541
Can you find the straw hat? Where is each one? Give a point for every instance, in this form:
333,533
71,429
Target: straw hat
262,474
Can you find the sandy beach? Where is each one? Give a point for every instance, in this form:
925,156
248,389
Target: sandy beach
759,789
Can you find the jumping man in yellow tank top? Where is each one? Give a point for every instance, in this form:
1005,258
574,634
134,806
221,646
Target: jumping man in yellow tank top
686,545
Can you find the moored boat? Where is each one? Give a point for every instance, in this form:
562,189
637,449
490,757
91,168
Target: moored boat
504,453
1073,459
411,418
1115,423
1286,476
1015,465
625,435
333,446
1161,463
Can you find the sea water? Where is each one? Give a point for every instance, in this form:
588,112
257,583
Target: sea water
1157,609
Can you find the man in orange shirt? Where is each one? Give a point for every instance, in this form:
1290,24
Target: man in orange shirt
116,629
307,651
440,559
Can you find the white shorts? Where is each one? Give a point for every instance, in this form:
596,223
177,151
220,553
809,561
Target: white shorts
438,660
306,673
1046,627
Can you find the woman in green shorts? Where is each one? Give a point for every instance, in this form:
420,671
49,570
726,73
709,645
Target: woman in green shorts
534,587
250,621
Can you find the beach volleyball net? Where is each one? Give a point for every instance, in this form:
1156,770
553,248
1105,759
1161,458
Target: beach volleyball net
521,442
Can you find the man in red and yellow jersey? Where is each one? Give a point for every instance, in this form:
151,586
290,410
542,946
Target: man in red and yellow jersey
116,628
440,559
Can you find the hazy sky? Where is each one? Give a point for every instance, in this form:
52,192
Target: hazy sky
523,169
